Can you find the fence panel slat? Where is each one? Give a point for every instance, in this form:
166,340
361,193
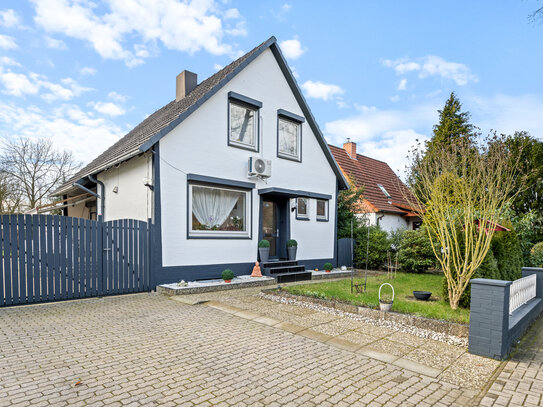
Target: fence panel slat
126,257
49,255
62,259
4,279
69,258
131,262
36,257
14,263
28,258
56,255
76,263
42,226
139,247
88,271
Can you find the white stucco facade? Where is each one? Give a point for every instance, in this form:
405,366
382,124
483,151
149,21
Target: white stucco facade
389,222
199,146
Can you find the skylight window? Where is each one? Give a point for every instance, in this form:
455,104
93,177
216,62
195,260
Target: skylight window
384,191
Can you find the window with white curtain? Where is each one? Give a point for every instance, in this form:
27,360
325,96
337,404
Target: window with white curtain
218,212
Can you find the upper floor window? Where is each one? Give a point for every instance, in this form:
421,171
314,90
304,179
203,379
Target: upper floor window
243,121
384,191
289,135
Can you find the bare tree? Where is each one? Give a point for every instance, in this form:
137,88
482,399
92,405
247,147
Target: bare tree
466,189
10,198
36,168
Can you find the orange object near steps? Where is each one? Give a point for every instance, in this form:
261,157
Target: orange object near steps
256,271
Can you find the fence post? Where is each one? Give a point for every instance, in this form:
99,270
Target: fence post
489,318
528,271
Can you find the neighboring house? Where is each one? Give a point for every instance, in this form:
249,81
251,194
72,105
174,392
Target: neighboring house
387,201
187,168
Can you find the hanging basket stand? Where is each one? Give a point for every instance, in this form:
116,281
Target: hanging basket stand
383,305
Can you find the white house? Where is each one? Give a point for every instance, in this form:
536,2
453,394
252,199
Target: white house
192,167
387,202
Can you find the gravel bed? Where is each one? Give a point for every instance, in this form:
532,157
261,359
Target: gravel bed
420,332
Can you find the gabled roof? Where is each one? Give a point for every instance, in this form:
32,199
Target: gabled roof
161,122
369,173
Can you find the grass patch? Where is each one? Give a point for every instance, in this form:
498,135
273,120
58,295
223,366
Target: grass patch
404,302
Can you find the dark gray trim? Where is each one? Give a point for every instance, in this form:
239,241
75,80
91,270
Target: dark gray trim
102,195
272,44
484,281
306,216
220,181
156,225
88,191
291,116
286,156
236,144
291,193
327,203
335,226
218,185
256,104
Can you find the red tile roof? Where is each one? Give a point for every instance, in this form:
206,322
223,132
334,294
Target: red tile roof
368,173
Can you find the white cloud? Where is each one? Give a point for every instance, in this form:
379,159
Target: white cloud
87,70
117,97
67,125
187,27
395,98
9,18
20,84
54,43
7,42
217,67
321,90
385,135
108,108
6,61
432,65
292,48
286,7
402,85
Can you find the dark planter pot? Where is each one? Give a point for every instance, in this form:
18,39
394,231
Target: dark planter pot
292,252
422,295
264,254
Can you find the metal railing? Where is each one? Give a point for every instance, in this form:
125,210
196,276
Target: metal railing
522,291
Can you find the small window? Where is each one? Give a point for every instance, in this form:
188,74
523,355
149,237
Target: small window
322,210
384,191
302,208
243,130
288,143
218,212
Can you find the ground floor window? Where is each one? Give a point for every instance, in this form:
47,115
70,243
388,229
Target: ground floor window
322,209
218,212
302,211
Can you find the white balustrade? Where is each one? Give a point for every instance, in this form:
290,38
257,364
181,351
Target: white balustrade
522,291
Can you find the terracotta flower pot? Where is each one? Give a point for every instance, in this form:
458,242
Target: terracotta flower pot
328,271
227,281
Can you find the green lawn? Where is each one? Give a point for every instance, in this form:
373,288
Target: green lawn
404,285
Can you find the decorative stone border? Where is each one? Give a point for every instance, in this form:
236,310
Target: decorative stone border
215,285
438,326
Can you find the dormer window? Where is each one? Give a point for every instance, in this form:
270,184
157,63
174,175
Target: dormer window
384,191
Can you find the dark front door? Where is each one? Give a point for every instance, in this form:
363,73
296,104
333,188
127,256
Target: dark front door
274,225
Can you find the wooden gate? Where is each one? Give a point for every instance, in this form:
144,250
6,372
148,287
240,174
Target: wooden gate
51,258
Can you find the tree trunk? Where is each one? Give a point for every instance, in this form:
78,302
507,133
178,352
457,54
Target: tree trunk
454,300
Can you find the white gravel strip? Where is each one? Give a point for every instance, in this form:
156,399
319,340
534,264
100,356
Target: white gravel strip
422,333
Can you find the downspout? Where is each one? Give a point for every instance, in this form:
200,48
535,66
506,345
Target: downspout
379,218
102,195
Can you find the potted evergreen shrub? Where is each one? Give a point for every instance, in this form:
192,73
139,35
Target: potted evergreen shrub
227,275
292,247
264,250
328,267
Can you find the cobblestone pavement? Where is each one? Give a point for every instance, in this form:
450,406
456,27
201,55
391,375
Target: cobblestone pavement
447,362
520,383
147,349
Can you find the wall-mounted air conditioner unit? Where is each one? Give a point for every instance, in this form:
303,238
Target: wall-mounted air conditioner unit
258,167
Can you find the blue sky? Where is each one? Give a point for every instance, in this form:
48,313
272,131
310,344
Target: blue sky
86,72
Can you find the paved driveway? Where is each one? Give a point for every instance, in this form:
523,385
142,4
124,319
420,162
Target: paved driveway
146,349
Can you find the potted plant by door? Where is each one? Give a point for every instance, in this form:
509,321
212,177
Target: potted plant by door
292,247
328,267
264,250
227,275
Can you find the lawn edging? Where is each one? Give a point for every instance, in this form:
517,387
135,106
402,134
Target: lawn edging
439,326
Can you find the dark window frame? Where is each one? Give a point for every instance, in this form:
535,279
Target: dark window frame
247,103
298,120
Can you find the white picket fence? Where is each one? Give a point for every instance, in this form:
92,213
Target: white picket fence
522,291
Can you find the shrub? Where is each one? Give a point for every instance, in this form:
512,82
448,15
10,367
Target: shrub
379,244
227,274
328,266
415,254
536,254
508,253
291,243
263,244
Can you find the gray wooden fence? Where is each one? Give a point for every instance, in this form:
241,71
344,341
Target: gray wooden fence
51,258
345,253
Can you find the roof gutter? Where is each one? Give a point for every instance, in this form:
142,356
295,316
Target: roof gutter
102,196
97,196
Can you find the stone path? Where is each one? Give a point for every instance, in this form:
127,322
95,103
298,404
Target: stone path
437,359
147,349
520,383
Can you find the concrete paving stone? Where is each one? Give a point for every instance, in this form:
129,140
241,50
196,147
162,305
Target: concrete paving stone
393,348
417,367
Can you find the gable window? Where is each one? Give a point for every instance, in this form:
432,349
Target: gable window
322,210
243,121
302,208
289,135
384,191
217,212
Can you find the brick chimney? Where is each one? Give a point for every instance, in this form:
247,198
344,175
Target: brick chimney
185,82
350,147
